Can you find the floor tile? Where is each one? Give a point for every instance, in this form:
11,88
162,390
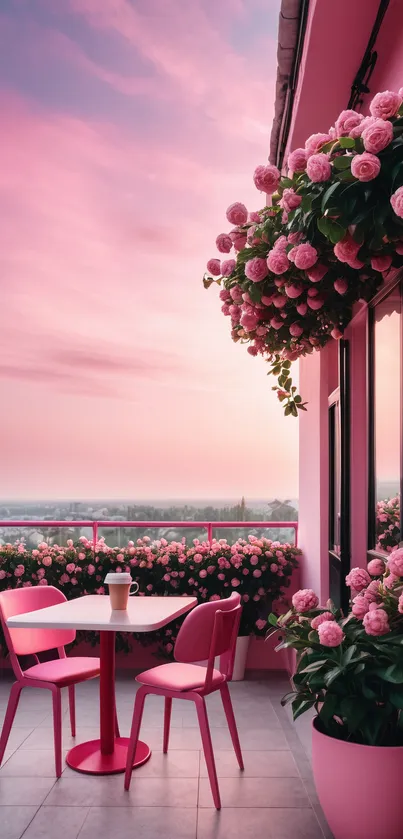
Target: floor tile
42,738
28,790
51,822
248,823
256,792
269,764
30,764
14,820
141,822
175,764
98,791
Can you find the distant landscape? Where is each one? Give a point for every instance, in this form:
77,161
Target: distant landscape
177,510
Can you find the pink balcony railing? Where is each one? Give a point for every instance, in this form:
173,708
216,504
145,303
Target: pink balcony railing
209,526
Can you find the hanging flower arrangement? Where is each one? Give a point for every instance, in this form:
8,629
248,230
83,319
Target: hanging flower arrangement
332,234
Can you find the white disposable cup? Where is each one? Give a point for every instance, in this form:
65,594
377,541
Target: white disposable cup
119,589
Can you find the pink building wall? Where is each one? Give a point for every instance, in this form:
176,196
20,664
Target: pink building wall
323,91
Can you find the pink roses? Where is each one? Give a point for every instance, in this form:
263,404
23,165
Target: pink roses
397,202
304,600
358,579
237,213
304,256
223,242
318,168
376,621
385,105
297,160
256,269
266,178
365,167
377,136
330,634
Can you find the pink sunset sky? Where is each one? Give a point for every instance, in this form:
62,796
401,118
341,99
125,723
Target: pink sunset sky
127,128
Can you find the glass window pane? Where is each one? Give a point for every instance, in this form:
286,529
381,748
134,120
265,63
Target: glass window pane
387,371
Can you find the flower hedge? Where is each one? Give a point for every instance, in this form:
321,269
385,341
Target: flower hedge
331,235
388,524
258,568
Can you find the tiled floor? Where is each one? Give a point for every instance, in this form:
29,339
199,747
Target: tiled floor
170,795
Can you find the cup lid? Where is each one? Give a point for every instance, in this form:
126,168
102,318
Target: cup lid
117,579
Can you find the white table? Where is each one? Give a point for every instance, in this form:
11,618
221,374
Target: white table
93,612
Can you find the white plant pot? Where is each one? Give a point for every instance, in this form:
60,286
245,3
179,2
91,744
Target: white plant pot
241,653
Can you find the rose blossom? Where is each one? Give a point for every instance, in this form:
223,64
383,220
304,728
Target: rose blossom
317,273
385,105
382,262
227,267
235,582
213,266
315,142
330,634
47,560
297,160
400,604
237,213
238,238
277,261
260,623
70,568
290,200
318,168
266,178
304,256
249,322
325,616
91,569
340,286
224,295
376,567
304,600
302,309
360,607
294,290
223,242
390,580
377,136
256,269
347,121
365,167
376,622
346,249
397,202
358,579
395,562
296,330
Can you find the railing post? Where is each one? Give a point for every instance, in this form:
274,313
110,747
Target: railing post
95,533
210,532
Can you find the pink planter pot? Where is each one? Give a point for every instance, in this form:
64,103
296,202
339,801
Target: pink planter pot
358,787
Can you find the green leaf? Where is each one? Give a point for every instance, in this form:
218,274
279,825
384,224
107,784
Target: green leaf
306,203
346,142
348,655
316,665
272,619
332,675
300,706
343,162
396,698
328,194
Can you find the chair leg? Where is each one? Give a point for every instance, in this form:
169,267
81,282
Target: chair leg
12,706
134,733
57,728
229,713
117,730
167,722
72,707
208,749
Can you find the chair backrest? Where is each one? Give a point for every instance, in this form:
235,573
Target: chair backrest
30,641
208,631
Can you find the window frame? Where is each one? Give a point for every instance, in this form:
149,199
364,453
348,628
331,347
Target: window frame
385,291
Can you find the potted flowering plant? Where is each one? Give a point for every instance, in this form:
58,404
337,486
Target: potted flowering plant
350,670
388,524
333,231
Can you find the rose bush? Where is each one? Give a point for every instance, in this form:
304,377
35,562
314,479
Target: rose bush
350,669
258,568
333,232
388,524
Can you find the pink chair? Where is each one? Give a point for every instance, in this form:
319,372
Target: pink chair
208,631
53,675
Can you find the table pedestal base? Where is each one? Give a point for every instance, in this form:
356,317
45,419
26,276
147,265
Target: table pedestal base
88,758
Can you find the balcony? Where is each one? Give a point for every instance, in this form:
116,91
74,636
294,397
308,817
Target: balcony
170,793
